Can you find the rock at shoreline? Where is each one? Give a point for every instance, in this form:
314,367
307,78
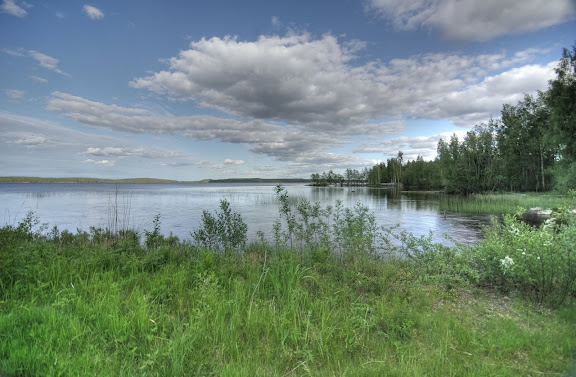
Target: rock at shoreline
537,215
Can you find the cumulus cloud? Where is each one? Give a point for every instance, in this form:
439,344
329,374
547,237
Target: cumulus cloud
295,98
294,78
313,83
478,102
475,20
15,94
10,7
92,12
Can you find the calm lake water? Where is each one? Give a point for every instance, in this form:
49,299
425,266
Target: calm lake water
80,206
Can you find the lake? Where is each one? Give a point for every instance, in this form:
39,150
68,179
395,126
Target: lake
80,206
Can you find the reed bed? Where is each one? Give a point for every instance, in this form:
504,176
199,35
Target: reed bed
503,203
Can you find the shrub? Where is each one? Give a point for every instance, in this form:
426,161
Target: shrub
301,226
223,231
448,265
538,262
352,233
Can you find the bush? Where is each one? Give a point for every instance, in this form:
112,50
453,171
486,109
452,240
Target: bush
431,261
538,262
224,231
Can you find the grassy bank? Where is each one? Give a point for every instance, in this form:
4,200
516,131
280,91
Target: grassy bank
502,203
84,307
331,295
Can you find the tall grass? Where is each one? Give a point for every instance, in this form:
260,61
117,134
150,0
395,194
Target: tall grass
502,203
263,312
77,304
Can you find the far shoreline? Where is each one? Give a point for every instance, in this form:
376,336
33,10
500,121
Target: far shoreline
28,180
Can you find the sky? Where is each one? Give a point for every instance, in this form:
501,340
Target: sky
212,89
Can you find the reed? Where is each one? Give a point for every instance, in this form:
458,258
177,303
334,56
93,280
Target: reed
503,203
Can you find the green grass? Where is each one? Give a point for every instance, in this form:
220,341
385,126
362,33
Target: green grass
76,306
503,203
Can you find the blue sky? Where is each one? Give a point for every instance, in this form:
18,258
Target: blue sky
189,90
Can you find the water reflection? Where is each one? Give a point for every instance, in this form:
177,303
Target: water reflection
72,206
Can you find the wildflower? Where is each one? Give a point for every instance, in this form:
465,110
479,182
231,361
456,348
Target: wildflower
506,263
549,223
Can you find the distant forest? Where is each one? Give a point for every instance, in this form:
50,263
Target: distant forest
532,147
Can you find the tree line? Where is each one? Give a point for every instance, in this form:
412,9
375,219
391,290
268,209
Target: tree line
352,177
532,147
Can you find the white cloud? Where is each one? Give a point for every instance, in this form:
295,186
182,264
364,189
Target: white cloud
12,52
233,162
78,105
101,162
276,21
29,139
265,138
475,20
14,94
30,146
47,62
295,79
10,7
92,12
130,152
44,60
312,83
39,79
296,98
477,103
424,146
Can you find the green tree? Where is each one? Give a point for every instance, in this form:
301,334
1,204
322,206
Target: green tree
394,167
561,101
524,151
420,174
